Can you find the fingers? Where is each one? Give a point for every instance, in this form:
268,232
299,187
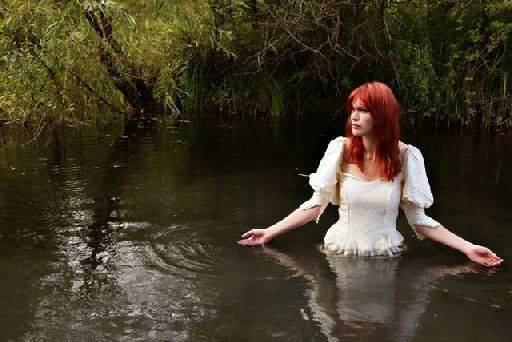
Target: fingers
485,250
491,261
488,257
492,258
246,242
247,239
243,242
247,235
497,258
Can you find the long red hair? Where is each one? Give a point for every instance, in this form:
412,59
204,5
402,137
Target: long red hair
385,110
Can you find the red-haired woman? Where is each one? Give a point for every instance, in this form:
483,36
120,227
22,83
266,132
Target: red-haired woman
370,174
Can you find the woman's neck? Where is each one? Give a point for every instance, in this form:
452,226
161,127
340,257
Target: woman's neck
370,147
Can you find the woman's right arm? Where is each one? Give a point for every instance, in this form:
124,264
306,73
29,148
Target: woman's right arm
296,219
323,182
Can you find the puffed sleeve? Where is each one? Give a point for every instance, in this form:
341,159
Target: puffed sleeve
323,181
416,193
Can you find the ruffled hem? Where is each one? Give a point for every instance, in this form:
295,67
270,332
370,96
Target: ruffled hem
388,245
417,216
316,199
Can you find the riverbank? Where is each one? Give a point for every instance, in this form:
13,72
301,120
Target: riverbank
90,62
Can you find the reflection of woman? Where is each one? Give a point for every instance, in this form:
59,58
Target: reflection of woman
370,174
370,298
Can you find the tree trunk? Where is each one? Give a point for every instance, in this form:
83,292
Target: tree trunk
136,92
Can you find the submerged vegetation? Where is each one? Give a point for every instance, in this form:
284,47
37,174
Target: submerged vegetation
82,61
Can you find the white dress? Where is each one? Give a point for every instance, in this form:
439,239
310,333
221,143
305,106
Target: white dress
368,209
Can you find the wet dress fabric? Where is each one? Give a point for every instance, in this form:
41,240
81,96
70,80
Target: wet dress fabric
368,209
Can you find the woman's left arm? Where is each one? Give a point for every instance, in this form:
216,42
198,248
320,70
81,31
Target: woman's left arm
479,254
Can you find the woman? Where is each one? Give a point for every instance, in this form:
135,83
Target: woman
370,174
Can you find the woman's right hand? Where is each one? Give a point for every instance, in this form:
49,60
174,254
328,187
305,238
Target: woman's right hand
255,237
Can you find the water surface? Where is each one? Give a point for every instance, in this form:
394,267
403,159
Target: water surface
131,237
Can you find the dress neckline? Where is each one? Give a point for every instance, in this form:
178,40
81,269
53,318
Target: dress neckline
344,145
368,181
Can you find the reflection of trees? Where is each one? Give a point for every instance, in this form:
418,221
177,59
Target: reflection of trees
106,200
86,212
364,298
86,205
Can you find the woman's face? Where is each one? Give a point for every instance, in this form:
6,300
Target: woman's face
360,119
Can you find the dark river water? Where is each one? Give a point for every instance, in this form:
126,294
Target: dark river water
132,237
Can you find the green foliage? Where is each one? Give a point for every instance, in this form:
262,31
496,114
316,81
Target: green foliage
76,61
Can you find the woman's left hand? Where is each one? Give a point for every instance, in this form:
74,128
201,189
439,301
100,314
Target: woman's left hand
483,255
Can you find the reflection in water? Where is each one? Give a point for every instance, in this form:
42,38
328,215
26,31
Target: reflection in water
108,284
364,298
